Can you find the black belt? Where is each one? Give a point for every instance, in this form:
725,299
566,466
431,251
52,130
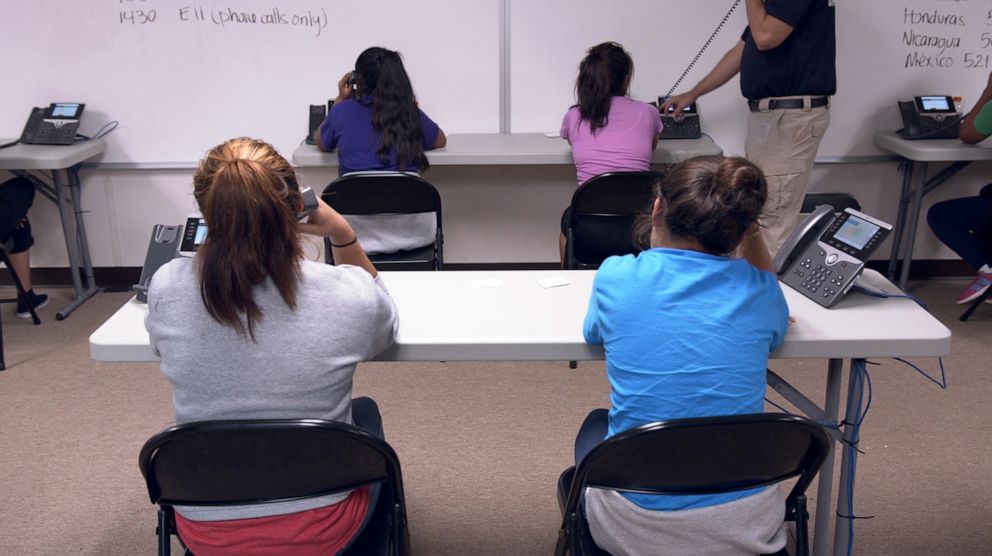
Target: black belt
786,103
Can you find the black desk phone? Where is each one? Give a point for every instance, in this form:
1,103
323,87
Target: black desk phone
826,253
169,242
318,112
929,117
55,125
685,127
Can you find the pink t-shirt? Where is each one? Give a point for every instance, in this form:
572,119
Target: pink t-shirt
623,145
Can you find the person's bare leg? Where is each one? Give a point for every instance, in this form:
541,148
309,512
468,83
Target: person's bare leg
561,249
21,263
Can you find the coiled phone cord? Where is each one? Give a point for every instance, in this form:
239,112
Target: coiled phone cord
706,45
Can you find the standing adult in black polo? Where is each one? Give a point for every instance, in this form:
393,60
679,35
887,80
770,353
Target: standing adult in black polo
786,61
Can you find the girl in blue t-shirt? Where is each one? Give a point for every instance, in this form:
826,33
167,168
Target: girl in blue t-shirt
687,328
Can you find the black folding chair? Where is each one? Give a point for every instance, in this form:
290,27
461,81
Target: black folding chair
839,201
218,463
21,294
372,193
697,456
602,214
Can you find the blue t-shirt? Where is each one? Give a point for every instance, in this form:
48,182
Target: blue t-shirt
349,129
686,334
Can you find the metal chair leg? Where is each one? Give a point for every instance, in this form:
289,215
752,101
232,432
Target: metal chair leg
976,304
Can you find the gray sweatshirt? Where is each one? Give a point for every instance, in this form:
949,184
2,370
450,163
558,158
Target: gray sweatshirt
300,367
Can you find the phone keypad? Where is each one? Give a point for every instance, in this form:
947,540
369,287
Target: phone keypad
52,134
688,128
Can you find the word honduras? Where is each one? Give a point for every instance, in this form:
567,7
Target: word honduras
940,38
276,16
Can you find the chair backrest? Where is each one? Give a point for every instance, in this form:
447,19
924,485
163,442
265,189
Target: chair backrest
602,216
839,201
706,455
255,461
382,193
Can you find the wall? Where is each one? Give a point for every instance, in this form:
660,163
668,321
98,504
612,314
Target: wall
150,77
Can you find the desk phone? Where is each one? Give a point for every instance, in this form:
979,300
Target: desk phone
929,117
169,242
686,127
55,125
827,252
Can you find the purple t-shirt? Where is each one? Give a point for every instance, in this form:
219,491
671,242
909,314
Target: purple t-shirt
623,145
349,129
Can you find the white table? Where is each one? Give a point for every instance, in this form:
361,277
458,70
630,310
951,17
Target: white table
476,149
916,155
449,316
32,162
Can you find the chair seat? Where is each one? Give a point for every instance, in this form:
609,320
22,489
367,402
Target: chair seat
405,260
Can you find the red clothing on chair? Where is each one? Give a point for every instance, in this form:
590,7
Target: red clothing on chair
316,532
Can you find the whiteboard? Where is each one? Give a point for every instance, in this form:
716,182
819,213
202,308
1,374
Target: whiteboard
887,50
183,75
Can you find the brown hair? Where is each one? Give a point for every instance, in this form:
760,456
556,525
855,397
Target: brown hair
710,199
603,74
247,193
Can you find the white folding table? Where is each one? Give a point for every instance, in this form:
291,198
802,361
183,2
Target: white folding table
462,316
496,149
917,155
44,166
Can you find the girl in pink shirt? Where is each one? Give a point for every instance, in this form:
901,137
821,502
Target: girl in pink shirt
608,130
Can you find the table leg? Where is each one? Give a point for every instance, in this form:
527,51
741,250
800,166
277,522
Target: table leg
69,231
81,261
824,489
911,238
907,175
848,462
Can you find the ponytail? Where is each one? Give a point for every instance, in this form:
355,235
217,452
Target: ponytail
247,193
603,74
395,116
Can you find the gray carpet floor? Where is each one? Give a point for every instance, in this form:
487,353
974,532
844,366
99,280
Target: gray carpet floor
481,444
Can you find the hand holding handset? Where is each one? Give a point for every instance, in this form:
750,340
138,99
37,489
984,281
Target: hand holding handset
55,125
929,117
826,253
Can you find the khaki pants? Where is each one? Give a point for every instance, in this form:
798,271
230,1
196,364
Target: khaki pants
783,144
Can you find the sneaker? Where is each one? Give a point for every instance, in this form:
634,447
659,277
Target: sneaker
976,288
38,301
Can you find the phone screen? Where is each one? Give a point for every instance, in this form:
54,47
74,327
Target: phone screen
65,110
194,234
689,109
201,233
935,104
856,232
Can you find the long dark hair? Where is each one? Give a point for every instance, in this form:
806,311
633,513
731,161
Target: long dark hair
603,74
247,193
395,116
710,199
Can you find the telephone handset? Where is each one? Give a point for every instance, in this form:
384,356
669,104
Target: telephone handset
687,125
55,125
929,117
826,253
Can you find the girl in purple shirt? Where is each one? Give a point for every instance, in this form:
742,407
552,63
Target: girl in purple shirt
608,130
